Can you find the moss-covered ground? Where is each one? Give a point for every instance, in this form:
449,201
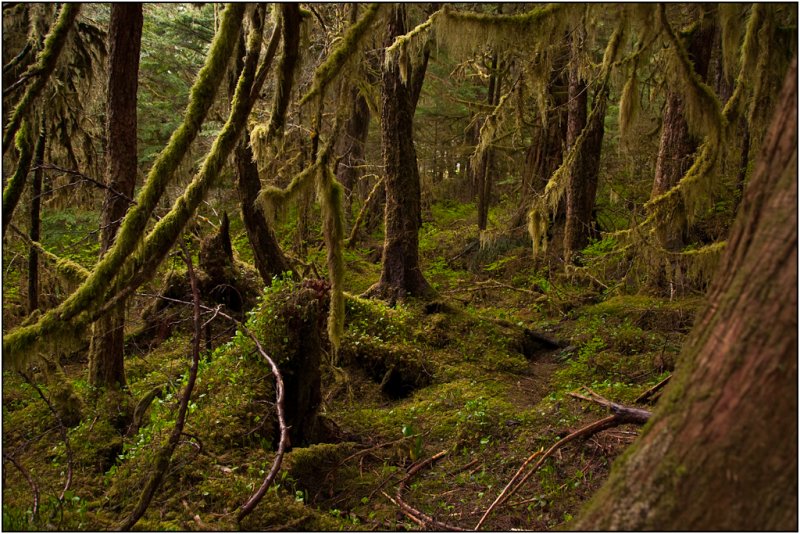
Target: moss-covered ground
455,375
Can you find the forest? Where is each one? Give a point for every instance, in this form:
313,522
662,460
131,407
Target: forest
390,267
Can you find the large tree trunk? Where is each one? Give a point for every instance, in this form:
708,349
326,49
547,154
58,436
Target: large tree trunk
400,274
106,365
582,185
677,147
720,453
267,254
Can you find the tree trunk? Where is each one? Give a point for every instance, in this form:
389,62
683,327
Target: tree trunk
400,274
582,185
267,254
485,168
720,452
353,145
106,364
36,220
677,147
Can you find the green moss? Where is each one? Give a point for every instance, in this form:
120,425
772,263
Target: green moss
23,142
92,292
42,69
333,64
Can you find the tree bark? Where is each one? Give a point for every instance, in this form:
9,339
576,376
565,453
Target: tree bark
106,364
720,452
401,275
267,254
582,185
677,146
36,220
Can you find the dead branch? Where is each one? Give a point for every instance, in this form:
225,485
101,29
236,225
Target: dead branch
619,415
165,454
644,397
503,494
486,284
31,483
624,414
420,518
62,429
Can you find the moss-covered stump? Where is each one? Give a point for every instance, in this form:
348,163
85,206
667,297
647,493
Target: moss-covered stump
399,369
317,471
304,312
222,281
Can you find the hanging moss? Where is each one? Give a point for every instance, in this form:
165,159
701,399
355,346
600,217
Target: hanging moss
93,291
463,32
331,195
333,64
547,203
731,22
45,64
143,264
70,271
272,199
702,108
23,142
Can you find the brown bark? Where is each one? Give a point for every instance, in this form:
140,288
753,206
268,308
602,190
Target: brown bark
106,364
268,257
545,154
721,450
290,35
400,273
36,220
582,184
677,147
267,254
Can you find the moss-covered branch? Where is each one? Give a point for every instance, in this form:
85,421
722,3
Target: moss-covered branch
333,64
59,321
16,185
69,270
142,266
45,64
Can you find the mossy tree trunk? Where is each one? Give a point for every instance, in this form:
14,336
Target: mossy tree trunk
582,185
267,253
677,145
485,170
35,219
720,452
401,275
545,153
106,364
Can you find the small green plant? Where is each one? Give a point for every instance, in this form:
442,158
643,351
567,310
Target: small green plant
415,449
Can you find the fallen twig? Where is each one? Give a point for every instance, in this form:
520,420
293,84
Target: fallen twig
503,494
31,483
653,390
420,518
619,415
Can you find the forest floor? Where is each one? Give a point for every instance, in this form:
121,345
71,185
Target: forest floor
473,383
